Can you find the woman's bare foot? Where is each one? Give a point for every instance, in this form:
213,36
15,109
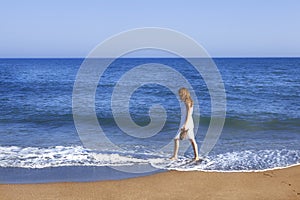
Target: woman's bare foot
173,158
197,159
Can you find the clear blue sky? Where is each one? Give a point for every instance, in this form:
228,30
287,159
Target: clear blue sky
226,28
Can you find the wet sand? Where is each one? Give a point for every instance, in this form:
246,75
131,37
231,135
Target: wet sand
273,184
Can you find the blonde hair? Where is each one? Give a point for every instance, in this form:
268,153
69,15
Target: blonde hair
185,96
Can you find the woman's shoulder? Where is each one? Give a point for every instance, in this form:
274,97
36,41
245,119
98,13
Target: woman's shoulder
188,104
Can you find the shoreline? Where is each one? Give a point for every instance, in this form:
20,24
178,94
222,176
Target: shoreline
270,184
16,175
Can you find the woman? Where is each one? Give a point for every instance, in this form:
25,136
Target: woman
186,130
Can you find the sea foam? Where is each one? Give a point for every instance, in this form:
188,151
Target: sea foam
59,156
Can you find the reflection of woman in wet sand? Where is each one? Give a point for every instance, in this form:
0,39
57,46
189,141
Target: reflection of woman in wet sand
186,130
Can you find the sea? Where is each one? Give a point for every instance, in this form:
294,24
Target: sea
41,142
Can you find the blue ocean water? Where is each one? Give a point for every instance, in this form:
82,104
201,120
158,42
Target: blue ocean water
261,131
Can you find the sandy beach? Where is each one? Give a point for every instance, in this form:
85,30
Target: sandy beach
273,184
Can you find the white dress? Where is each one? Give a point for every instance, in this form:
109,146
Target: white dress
189,125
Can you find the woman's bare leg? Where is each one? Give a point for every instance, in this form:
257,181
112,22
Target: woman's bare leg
176,147
195,148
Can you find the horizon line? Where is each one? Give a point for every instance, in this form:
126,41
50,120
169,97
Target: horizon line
154,57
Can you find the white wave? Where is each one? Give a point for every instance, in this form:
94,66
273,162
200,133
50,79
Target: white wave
34,157
58,156
237,161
